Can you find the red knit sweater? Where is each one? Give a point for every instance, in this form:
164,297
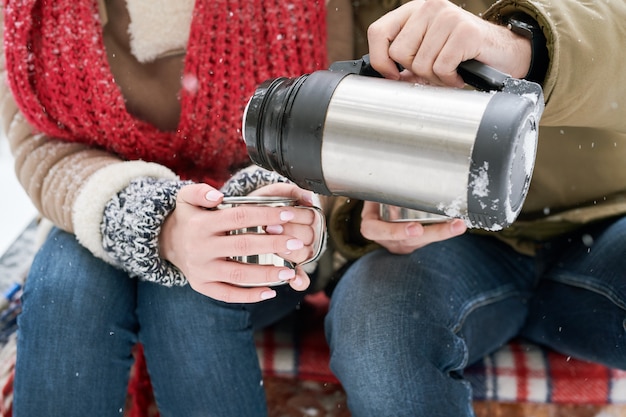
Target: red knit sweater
62,82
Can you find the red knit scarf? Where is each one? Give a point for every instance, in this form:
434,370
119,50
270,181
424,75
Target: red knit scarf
61,80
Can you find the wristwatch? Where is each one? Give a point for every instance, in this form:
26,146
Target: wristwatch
525,26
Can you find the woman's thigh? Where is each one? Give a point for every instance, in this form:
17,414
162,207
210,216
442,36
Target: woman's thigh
580,305
201,353
81,317
75,334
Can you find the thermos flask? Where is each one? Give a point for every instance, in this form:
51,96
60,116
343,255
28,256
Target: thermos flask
459,152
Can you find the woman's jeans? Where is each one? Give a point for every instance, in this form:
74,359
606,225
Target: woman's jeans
81,318
403,327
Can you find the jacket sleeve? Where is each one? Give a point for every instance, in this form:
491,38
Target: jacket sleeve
586,84
68,183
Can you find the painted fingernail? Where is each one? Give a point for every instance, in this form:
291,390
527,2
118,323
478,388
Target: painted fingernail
308,197
275,229
297,282
294,244
286,274
213,195
266,295
286,216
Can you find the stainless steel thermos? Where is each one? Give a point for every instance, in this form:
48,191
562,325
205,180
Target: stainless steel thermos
463,153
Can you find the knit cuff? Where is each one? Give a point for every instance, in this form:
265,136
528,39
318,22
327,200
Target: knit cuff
131,226
249,179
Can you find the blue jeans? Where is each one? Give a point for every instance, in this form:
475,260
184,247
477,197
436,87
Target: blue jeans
81,317
403,328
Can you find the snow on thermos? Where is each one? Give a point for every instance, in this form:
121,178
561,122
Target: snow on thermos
461,153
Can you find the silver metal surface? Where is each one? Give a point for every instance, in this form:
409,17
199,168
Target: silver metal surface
391,213
272,258
254,200
404,144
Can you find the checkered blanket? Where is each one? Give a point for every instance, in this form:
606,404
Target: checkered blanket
296,348
518,372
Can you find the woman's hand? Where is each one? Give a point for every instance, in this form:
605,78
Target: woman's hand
307,227
405,237
197,241
431,38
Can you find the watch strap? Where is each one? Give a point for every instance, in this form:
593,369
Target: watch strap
526,26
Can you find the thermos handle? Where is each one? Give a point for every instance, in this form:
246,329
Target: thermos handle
482,76
474,73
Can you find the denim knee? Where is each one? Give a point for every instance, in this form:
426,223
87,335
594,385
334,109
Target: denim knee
75,333
393,364
399,325
66,282
584,293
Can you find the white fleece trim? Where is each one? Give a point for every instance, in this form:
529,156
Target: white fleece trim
93,196
158,27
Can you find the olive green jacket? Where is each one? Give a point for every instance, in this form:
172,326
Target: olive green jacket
580,171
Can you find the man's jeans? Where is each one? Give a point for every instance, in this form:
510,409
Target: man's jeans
403,328
81,317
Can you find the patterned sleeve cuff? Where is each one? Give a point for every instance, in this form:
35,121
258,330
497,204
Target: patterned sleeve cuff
131,226
249,179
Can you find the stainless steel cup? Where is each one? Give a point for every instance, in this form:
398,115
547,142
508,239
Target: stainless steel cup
392,213
272,258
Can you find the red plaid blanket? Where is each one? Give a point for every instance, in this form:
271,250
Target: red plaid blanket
296,348
518,372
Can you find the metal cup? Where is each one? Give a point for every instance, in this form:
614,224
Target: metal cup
391,213
272,258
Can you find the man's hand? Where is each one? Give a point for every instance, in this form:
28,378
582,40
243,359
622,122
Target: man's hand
405,237
431,38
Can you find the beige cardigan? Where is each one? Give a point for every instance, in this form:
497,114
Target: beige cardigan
580,172
70,183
